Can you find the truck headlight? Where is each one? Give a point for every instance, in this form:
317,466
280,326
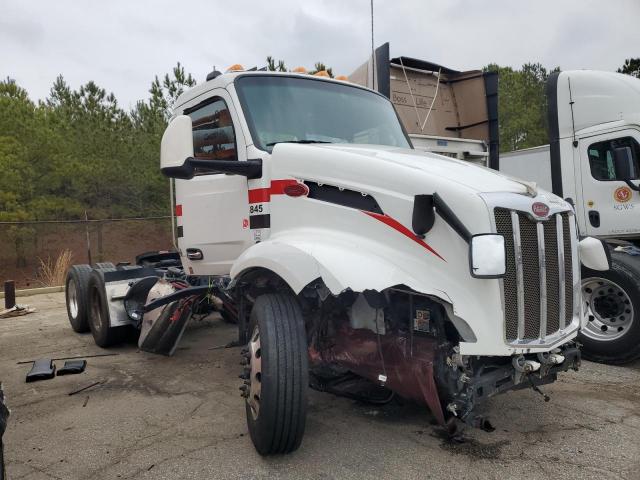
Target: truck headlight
487,256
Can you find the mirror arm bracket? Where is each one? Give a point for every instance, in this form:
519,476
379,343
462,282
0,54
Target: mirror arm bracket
247,168
451,218
632,186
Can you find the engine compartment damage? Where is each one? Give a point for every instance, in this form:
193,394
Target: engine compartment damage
405,343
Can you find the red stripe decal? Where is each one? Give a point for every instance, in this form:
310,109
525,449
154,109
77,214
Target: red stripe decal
178,210
262,195
387,220
259,195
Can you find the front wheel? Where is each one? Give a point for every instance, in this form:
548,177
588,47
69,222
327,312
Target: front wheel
612,305
277,376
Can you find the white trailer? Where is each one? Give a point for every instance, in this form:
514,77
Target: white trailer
351,262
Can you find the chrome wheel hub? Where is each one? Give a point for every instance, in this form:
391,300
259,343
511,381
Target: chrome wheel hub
72,294
608,308
255,379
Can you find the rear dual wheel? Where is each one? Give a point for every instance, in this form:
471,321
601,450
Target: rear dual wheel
276,387
99,318
76,296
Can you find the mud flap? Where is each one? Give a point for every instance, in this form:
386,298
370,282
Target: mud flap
162,327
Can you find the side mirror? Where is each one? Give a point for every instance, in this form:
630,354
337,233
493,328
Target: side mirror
595,254
176,147
176,155
487,256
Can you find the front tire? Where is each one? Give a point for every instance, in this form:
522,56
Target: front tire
276,390
76,297
99,319
612,305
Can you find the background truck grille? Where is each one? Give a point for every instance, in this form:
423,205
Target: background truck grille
538,283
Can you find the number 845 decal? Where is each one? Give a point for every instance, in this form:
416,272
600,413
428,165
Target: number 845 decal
255,208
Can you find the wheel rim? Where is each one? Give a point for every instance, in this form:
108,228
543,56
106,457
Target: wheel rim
96,310
609,309
72,294
255,362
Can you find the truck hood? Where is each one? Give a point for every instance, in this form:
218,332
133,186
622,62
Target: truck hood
474,177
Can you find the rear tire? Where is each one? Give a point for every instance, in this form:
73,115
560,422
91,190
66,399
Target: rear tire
99,319
276,405
612,333
76,297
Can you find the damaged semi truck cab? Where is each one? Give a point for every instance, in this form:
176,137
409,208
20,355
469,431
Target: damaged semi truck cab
361,266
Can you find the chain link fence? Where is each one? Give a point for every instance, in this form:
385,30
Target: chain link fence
24,245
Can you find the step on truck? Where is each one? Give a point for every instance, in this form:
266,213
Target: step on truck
351,262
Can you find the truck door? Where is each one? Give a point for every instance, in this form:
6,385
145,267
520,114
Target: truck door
211,209
610,207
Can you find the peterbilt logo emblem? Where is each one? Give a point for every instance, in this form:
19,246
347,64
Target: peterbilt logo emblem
540,209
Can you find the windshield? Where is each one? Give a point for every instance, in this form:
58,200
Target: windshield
282,109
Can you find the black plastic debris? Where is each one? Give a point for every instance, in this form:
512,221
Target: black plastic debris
42,369
72,367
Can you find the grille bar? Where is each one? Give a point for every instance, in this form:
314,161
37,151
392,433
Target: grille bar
538,289
517,245
542,266
561,273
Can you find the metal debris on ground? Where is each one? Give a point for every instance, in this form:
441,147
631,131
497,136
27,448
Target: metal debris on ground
16,311
73,358
85,388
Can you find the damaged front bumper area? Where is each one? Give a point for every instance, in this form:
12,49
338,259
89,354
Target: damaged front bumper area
465,383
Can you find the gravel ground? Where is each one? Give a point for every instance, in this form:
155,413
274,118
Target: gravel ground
182,417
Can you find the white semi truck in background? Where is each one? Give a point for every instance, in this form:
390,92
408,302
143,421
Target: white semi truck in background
592,161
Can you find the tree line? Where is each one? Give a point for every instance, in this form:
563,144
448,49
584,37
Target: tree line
78,152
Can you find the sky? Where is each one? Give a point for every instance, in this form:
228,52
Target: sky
123,44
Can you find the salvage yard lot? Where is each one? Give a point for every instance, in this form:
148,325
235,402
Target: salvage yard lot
182,417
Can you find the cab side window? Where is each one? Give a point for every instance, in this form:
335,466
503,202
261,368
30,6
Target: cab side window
615,159
213,134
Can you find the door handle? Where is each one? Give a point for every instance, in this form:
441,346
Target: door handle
194,254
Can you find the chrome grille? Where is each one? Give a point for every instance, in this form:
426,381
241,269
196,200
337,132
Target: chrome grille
538,282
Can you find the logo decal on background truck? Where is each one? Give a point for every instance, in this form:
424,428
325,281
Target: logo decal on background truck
622,194
540,209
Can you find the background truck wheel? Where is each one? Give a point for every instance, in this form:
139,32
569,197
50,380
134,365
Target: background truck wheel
278,377
99,318
76,288
612,333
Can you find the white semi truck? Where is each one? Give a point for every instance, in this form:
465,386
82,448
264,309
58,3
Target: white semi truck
350,261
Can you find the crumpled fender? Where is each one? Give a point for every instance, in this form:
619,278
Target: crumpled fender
340,266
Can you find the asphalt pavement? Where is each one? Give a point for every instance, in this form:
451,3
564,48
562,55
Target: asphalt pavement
183,418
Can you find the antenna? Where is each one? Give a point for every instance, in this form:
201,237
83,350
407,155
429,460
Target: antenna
373,54
573,123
